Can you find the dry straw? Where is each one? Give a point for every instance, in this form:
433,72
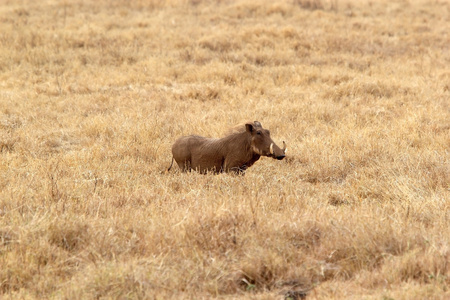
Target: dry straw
93,94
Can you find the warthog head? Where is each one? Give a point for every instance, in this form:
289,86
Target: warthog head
262,143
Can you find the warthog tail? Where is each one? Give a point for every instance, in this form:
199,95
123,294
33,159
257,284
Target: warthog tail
170,165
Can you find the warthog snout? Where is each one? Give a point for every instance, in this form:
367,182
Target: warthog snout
278,153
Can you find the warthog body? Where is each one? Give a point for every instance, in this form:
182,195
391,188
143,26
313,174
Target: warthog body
235,152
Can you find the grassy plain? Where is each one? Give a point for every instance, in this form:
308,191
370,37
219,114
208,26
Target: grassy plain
93,94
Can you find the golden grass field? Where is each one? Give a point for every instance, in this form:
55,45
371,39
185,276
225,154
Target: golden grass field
94,93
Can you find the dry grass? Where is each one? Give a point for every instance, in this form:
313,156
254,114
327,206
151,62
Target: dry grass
93,93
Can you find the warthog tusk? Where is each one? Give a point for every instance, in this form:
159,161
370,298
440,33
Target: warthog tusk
271,148
284,147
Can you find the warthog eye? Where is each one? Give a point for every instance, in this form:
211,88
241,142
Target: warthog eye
258,132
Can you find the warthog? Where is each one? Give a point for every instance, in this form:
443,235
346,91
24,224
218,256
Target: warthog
233,153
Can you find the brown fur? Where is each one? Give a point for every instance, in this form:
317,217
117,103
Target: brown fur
235,152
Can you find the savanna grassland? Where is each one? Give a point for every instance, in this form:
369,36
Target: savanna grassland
94,93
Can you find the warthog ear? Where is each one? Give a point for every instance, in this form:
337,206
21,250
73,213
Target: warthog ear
257,124
249,127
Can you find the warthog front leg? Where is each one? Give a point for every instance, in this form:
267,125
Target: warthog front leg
239,170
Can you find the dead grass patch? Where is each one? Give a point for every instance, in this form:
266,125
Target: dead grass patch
93,94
